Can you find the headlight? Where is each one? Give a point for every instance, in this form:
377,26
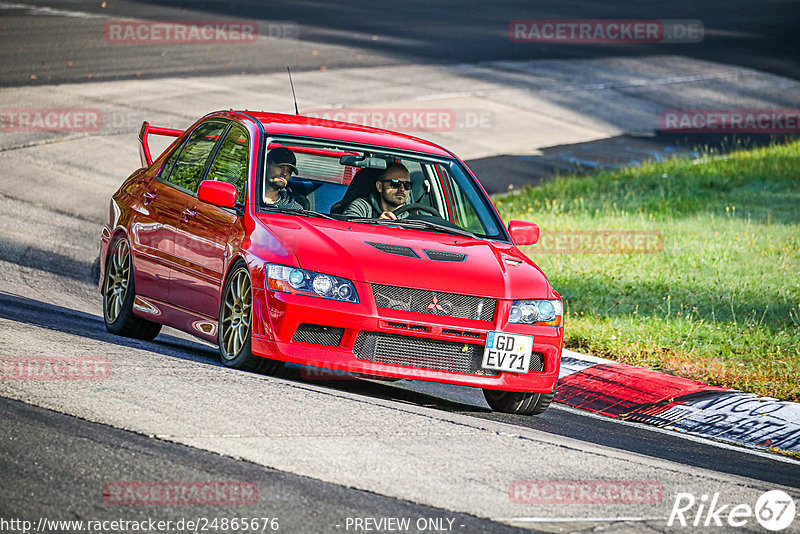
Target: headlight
302,282
538,312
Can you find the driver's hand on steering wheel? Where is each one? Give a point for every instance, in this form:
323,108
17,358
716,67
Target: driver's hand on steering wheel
388,215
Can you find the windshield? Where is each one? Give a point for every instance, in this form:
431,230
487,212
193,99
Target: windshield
358,183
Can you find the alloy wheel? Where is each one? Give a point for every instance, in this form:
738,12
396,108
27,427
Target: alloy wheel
117,280
236,314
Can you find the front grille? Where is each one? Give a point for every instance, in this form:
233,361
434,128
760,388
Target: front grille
424,301
319,335
537,362
452,332
405,326
419,352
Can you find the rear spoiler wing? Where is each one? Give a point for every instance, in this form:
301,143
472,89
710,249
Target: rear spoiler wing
144,148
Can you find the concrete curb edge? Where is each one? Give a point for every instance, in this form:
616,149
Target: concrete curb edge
642,395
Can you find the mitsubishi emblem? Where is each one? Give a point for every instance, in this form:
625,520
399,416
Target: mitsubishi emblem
434,305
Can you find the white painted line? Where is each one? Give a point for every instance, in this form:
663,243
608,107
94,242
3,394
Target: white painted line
50,11
575,519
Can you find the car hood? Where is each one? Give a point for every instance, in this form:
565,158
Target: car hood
397,256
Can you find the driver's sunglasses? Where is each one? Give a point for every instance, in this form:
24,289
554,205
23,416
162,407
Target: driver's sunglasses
397,184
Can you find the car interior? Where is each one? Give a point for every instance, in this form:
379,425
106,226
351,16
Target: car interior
326,185
330,178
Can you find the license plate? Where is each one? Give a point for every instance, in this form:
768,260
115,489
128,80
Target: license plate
507,352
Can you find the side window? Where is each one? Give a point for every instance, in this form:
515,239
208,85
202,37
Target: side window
464,212
170,161
230,165
434,193
469,204
188,168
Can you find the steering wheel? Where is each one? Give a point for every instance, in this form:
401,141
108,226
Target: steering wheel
418,207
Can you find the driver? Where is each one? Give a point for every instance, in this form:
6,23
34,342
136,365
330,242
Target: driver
392,189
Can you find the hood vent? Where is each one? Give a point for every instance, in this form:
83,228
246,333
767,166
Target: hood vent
440,255
395,249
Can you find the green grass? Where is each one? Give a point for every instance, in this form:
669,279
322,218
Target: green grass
720,303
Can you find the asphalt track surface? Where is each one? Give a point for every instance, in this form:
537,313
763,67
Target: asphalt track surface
46,476
55,464
557,420
38,47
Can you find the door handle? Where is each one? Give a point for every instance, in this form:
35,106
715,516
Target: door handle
189,213
149,197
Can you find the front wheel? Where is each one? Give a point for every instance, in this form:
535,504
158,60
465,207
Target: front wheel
235,318
118,295
518,402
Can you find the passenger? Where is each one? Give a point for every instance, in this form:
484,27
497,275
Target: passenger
392,189
281,163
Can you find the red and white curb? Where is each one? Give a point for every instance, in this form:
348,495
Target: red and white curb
674,403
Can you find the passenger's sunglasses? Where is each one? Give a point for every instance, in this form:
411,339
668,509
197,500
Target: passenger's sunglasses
396,184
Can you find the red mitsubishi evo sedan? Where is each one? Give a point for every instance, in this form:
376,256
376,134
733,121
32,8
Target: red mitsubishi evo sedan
437,290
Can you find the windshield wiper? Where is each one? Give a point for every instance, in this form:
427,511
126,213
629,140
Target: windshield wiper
293,211
417,224
430,225
370,220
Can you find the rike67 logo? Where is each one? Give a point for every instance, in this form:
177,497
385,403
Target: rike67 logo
774,510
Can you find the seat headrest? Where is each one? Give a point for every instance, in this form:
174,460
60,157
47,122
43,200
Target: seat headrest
362,186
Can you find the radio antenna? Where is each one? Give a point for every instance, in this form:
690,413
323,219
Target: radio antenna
296,112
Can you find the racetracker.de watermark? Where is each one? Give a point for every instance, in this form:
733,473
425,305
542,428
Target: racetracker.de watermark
585,492
777,121
50,120
601,242
149,32
68,120
409,119
318,374
55,368
343,372
603,31
155,493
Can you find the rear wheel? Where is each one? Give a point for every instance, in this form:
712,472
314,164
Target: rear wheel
518,402
235,318
118,295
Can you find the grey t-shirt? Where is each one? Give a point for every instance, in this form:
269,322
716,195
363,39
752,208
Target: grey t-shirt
368,208
286,200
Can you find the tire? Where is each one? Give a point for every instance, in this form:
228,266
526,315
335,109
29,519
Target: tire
118,295
518,402
95,274
235,332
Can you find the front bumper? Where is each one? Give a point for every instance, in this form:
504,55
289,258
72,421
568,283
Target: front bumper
416,346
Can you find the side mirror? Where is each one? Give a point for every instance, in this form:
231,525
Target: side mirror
222,194
523,232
